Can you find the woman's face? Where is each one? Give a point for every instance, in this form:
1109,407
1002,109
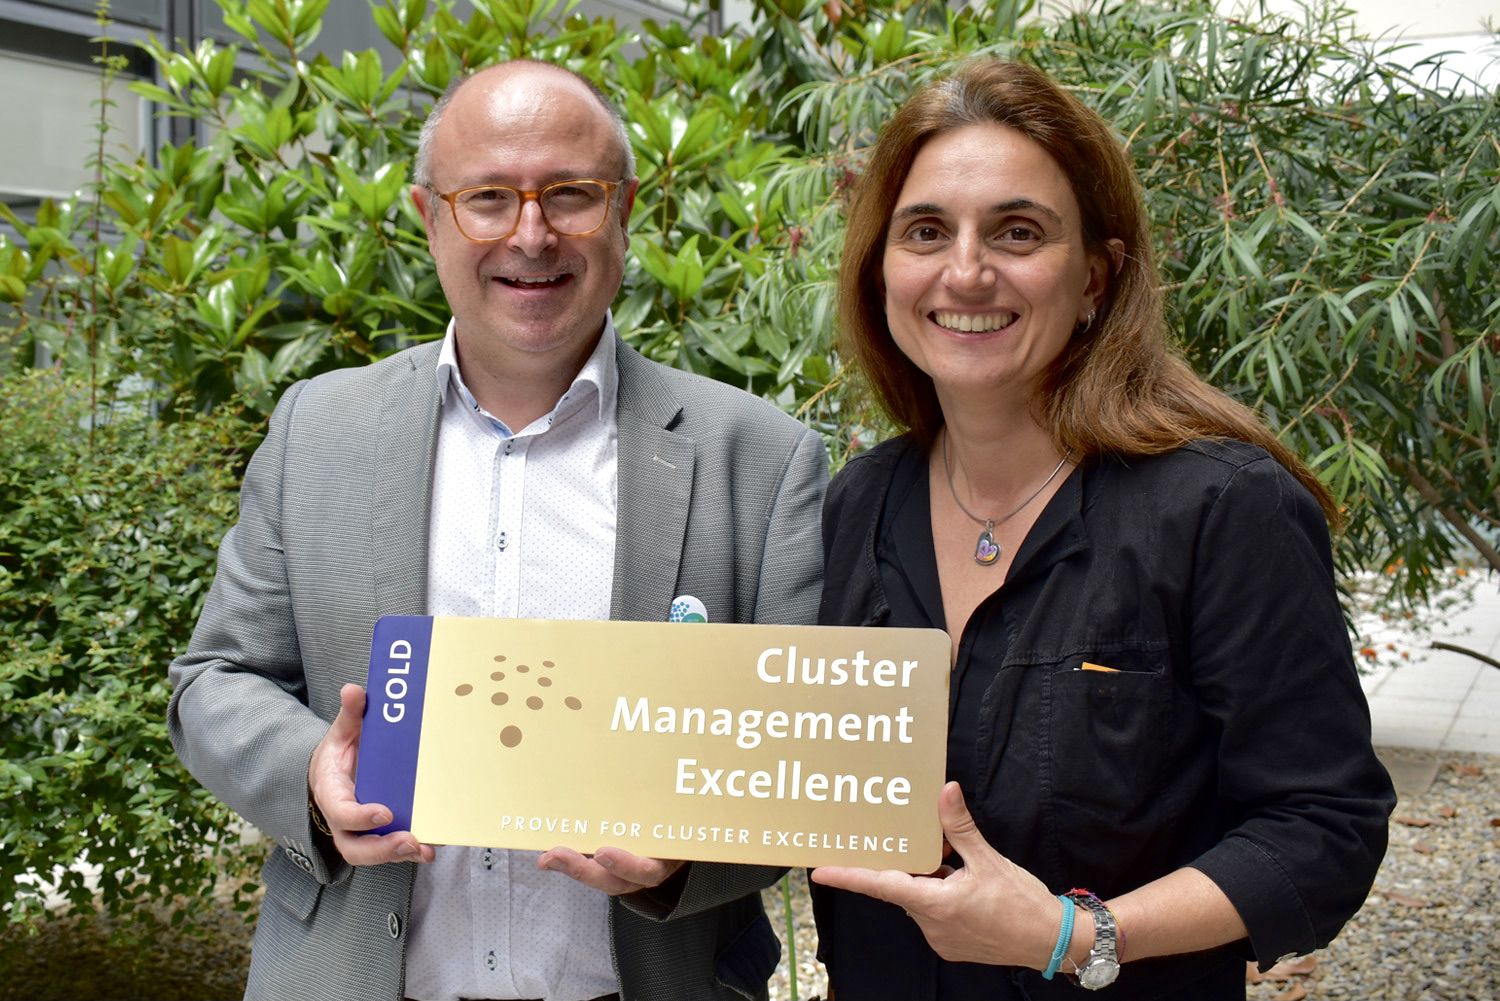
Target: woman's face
985,270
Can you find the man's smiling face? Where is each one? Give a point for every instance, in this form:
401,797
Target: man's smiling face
535,295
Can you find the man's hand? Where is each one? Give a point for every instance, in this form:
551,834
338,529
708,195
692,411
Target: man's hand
330,779
610,870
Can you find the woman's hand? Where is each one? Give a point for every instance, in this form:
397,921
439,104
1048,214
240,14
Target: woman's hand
989,911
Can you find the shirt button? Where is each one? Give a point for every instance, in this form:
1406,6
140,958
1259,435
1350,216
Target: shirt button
500,542
509,446
489,858
489,960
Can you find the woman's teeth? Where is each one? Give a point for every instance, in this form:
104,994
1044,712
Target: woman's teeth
970,323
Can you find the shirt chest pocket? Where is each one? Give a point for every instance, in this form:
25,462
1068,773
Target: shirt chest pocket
1110,716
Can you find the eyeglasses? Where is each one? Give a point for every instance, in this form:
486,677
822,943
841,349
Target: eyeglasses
490,213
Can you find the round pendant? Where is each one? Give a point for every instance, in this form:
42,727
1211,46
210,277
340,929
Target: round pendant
986,552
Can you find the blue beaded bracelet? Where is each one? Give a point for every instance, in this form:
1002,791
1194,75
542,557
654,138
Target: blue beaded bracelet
1064,937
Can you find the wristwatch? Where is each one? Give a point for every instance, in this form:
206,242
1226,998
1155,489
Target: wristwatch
1103,964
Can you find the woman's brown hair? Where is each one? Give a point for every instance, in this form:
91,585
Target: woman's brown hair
1117,389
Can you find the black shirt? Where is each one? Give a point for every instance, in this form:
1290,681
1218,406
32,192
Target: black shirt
908,570
1231,734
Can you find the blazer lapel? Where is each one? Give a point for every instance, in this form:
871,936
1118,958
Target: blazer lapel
402,485
655,490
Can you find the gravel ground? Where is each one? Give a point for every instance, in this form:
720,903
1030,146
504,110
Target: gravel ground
1427,933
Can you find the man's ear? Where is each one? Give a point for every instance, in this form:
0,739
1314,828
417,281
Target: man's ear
627,203
422,198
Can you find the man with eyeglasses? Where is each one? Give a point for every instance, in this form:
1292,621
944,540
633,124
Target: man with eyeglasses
532,465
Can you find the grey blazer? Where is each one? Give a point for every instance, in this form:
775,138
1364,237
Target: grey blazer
719,497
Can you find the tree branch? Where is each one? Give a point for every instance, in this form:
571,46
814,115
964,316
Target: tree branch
1430,494
1455,648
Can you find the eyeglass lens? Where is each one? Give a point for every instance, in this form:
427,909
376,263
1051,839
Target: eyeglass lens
569,208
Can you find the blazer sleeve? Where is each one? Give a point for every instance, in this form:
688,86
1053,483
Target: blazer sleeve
791,571
1308,800
238,716
791,575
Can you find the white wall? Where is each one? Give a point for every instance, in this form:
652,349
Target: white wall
1431,17
47,120
1454,27
1428,26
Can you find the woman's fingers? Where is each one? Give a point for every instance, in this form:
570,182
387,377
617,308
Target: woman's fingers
961,833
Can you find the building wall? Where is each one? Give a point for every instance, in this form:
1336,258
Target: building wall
1429,19
51,133
1456,29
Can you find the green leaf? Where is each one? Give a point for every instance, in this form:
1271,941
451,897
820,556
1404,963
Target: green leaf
177,259
389,23
152,92
306,20
219,70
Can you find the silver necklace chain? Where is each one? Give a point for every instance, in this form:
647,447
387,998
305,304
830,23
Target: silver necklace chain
986,550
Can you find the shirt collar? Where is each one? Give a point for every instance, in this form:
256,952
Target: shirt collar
599,375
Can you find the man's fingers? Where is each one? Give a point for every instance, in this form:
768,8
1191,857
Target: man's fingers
637,869
585,870
345,813
330,773
347,724
611,870
375,849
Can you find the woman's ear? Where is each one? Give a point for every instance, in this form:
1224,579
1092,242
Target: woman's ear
1116,250
1102,270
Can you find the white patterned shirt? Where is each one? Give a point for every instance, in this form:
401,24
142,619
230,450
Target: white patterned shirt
522,526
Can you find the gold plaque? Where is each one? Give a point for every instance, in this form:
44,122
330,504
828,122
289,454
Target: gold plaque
782,745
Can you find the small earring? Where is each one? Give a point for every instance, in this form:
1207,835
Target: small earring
1088,322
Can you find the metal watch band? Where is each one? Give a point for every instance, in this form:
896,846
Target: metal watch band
1103,964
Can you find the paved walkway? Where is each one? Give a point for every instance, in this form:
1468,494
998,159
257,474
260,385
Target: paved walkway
1444,701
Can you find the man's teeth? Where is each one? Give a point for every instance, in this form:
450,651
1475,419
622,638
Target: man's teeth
969,323
534,282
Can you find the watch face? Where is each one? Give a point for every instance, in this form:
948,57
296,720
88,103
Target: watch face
1098,973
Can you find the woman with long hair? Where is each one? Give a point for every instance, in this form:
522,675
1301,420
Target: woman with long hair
1158,748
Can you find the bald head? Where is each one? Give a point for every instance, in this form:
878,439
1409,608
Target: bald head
520,82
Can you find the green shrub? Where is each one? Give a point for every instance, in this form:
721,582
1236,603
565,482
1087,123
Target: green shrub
107,544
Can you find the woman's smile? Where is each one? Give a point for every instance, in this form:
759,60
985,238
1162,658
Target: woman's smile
971,323
985,270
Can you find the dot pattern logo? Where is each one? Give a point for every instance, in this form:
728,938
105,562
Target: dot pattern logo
525,679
